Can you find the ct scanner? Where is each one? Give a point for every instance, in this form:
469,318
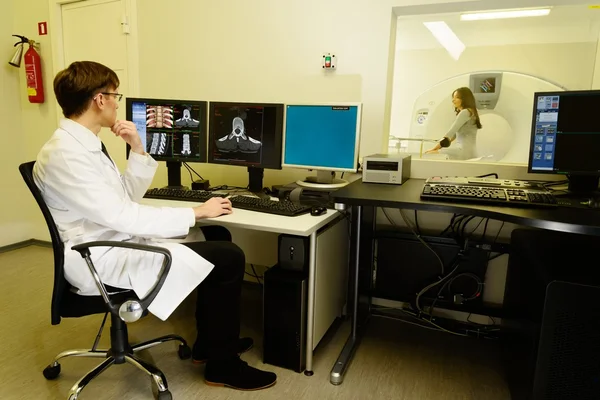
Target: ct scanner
505,105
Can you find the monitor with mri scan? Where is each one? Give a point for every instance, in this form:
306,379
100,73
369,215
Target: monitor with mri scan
504,105
170,130
247,135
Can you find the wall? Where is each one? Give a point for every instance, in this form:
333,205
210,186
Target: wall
37,122
15,221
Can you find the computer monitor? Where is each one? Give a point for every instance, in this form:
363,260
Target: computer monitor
322,137
565,137
248,135
173,131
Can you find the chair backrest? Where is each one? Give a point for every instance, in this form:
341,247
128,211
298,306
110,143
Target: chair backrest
60,283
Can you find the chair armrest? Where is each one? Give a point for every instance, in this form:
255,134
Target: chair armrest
84,250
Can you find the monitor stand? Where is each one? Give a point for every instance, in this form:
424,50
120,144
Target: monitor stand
174,175
323,180
255,182
583,184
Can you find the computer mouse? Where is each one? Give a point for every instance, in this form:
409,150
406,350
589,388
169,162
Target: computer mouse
318,210
594,203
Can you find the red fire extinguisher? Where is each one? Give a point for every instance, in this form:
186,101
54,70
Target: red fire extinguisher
33,71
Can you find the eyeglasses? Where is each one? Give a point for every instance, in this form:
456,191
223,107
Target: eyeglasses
118,96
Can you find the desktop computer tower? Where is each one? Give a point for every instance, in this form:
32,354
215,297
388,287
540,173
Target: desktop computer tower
293,253
550,340
284,318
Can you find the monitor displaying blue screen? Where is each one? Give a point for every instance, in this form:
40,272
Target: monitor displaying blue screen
322,137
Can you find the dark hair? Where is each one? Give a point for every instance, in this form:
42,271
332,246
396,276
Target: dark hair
468,103
77,84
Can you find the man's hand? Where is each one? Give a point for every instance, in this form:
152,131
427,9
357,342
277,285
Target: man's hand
213,208
127,131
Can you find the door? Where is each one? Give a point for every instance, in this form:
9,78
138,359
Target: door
99,30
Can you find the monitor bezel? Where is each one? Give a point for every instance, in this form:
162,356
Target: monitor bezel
203,133
280,117
356,142
533,130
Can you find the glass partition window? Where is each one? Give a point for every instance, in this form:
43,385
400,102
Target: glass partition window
471,79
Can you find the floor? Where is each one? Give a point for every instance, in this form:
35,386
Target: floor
394,361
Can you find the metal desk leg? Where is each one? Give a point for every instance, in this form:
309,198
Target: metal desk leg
310,314
341,365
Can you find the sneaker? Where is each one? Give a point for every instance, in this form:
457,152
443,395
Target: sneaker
237,374
200,356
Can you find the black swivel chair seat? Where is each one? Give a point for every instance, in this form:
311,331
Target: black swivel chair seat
122,305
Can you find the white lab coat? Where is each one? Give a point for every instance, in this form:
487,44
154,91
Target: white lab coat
90,200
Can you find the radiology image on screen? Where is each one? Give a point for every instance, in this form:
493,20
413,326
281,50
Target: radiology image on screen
159,144
238,133
187,116
159,116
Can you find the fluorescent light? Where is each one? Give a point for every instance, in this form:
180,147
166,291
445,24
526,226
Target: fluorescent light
539,12
446,37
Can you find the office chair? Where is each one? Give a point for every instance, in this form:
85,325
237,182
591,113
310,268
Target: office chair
122,305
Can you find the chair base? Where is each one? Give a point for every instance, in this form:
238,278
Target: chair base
159,381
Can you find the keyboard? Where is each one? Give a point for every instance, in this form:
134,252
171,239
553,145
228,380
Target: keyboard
492,191
282,207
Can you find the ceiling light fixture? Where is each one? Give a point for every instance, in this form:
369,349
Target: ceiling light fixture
446,37
538,12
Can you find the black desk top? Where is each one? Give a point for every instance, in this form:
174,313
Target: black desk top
408,196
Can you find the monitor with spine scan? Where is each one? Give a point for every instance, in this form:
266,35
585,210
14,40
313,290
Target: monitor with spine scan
565,137
247,135
173,131
322,137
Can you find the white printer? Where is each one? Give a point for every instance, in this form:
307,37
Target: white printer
386,168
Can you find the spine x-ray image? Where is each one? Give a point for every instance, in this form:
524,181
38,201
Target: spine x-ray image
159,117
159,144
186,120
186,149
237,140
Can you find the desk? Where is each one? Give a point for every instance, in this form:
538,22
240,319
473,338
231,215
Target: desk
365,197
318,318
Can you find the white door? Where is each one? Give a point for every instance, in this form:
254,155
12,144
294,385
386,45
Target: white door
98,30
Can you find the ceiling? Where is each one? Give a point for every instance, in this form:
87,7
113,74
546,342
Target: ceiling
565,24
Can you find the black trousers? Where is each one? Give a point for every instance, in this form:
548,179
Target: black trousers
218,304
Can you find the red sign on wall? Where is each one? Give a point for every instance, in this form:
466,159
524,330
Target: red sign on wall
42,28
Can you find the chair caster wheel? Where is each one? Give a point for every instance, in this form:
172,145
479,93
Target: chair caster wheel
166,395
184,352
51,372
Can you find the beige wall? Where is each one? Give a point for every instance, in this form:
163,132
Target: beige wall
16,207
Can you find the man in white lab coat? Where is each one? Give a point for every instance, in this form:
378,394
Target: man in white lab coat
90,200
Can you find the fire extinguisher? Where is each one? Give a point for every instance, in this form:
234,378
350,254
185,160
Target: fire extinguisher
33,71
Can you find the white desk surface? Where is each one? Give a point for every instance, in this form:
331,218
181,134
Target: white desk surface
302,225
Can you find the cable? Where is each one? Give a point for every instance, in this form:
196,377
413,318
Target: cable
478,225
487,221
437,327
407,222
498,234
255,274
417,222
193,170
189,172
486,175
475,278
424,290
